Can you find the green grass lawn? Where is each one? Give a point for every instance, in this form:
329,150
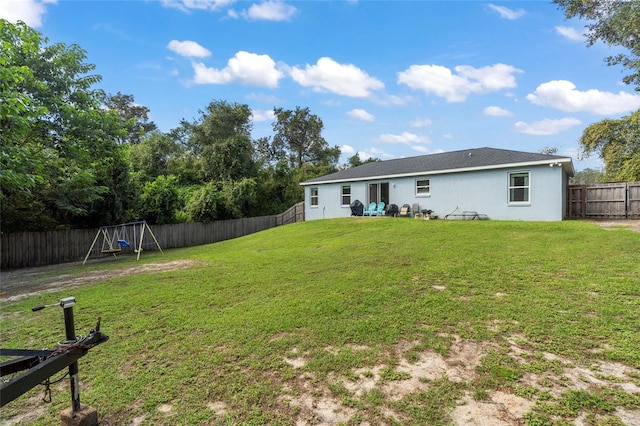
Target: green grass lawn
325,321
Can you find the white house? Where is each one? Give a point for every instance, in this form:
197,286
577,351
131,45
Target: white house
495,183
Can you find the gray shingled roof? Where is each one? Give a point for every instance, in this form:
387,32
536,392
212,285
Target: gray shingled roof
468,159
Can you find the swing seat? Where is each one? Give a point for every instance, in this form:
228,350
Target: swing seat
123,243
115,250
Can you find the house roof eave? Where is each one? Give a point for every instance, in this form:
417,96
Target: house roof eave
566,163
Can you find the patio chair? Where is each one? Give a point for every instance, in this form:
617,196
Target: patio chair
369,211
416,210
378,211
404,211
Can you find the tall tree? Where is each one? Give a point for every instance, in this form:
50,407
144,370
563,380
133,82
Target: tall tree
134,117
355,160
157,154
298,136
221,139
614,22
20,161
55,122
618,144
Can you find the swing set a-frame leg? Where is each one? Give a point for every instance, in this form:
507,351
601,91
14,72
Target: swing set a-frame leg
145,226
111,239
91,248
154,238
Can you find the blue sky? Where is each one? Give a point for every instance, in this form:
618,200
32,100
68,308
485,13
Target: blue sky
389,79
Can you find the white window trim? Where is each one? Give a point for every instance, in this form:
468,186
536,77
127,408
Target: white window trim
311,197
342,195
428,194
509,187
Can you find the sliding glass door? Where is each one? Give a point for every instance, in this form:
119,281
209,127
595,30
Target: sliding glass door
379,192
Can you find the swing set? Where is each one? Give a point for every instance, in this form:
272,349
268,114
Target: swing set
115,238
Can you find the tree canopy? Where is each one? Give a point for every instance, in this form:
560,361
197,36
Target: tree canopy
618,144
616,23
135,118
298,137
73,156
221,138
20,164
58,143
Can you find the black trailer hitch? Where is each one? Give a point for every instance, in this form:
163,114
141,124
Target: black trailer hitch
40,365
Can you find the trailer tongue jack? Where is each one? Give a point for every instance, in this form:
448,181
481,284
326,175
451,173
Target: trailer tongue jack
40,365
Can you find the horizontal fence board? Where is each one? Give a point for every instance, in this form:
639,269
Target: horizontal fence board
616,200
27,249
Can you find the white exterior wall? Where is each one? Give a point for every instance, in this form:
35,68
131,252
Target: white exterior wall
329,199
485,192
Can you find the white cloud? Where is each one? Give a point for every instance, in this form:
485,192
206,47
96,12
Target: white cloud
547,127
361,114
266,115
404,138
249,69
562,95
28,11
387,99
373,153
439,80
507,13
270,11
342,79
495,111
569,33
421,122
188,5
188,48
347,149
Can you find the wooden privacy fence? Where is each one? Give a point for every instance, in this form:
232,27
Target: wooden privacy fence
619,200
25,249
292,215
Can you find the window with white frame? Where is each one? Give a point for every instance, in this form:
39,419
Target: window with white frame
423,187
346,195
519,187
313,197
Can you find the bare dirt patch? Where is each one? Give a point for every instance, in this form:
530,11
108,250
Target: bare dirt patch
20,283
630,224
318,405
503,409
